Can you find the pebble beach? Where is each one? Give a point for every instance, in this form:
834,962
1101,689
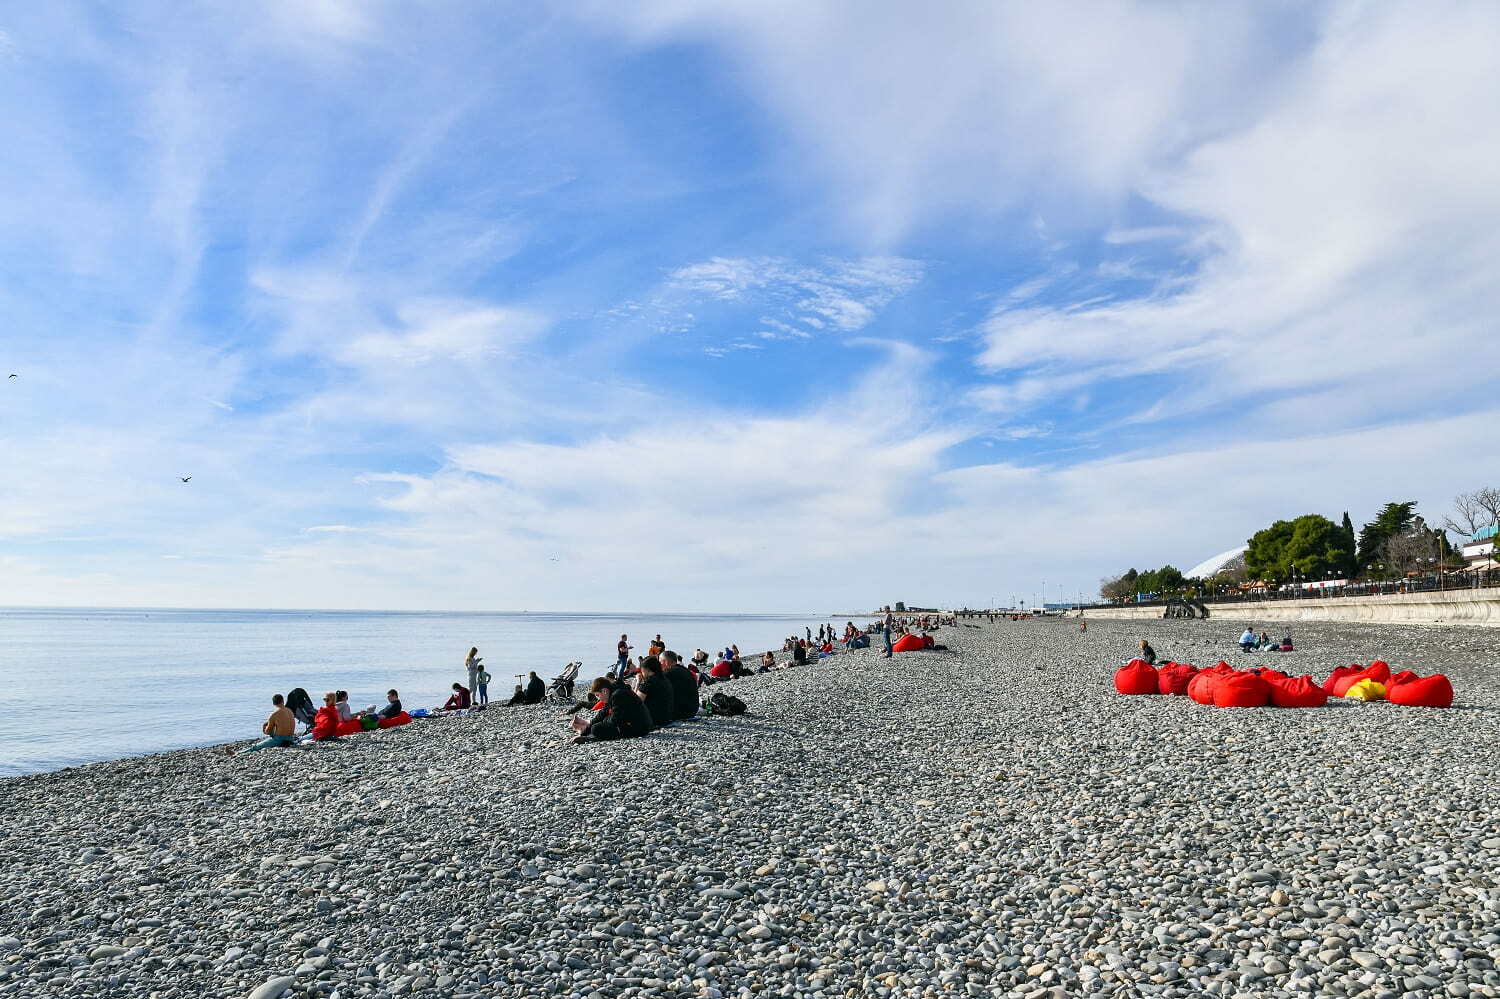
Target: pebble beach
989,821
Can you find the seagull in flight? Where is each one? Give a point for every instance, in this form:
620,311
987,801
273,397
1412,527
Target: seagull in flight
187,479
13,375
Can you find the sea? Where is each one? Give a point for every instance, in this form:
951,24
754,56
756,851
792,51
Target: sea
82,685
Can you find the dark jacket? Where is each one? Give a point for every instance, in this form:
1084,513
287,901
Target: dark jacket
628,712
661,698
684,692
535,691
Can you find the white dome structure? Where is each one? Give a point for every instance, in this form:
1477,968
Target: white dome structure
1217,564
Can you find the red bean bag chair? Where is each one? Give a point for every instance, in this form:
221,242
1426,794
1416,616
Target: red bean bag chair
1173,678
394,720
1297,692
1136,677
1201,687
1339,673
1399,678
1377,671
1241,690
1270,674
722,670
907,643
1424,692
350,727
928,641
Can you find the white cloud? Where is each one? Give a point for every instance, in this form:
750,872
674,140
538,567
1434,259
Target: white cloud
982,107
844,295
1351,232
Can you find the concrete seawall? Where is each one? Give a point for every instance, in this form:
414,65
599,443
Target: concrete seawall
1478,608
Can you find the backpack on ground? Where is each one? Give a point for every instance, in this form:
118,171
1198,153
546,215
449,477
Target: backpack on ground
725,704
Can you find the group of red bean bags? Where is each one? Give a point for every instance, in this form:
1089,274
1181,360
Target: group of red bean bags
913,643
329,727
1226,687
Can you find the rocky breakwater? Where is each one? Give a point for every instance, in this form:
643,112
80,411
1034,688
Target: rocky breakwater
989,822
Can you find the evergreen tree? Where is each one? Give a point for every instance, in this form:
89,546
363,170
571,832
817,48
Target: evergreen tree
1350,569
1312,544
1393,520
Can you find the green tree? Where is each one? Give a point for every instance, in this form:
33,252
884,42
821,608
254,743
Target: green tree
1393,520
1312,544
1164,582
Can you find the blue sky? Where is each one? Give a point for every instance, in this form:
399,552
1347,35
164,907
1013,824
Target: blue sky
752,306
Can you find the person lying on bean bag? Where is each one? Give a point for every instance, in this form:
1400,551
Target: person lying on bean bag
326,721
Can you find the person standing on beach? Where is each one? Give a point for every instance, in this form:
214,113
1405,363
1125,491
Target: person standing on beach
885,629
484,686
471,666
622,656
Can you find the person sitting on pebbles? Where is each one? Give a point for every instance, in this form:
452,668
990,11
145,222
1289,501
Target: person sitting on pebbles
619,714
519,697
459,700
1147,653
279,729
768,662
1247,640
655,691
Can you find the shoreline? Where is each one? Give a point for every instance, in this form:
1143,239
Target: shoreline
179,681
991,821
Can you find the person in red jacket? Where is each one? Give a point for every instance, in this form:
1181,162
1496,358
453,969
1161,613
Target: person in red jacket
459,700
326,721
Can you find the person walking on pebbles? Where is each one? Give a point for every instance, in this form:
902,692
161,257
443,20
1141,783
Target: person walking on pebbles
472,667
885,628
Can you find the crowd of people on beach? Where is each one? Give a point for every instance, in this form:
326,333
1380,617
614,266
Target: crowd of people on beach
634,697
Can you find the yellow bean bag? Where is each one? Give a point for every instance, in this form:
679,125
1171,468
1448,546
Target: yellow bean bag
1366,690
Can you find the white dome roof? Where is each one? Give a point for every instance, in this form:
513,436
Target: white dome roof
1216,564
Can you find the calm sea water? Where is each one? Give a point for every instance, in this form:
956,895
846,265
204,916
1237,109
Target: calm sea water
78,686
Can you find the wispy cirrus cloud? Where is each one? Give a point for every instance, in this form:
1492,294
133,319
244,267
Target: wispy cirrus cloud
459,284
841,296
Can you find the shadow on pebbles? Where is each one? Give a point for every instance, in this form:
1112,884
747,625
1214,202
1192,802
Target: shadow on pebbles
993,821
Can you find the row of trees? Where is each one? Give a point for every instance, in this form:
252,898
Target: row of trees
1166,580
1312,547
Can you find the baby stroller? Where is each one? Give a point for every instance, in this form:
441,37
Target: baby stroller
300,704
560,690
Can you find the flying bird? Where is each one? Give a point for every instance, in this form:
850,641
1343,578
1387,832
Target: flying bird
188,479
14,375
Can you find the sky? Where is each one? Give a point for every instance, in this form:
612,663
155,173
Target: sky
743,306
